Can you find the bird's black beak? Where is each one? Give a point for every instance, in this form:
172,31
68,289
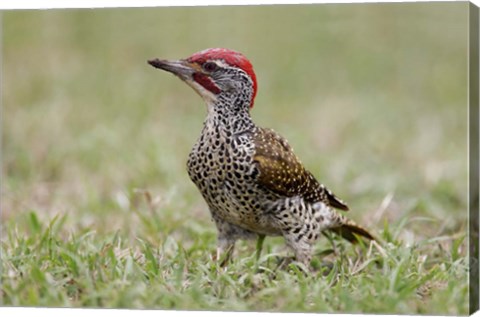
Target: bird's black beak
185,71
181,68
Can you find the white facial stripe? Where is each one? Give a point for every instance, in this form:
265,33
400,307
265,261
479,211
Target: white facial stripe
208,96
221,63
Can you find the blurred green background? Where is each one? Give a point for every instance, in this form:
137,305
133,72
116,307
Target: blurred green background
372,97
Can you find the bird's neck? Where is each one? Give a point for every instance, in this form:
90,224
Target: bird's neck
228,117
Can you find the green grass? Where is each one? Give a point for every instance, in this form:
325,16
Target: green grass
98,210
86,269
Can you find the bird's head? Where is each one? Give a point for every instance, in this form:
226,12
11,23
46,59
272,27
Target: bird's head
216,74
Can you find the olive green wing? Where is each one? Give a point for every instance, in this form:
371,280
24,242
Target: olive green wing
282,172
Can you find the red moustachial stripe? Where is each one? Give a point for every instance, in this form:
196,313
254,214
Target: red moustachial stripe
206,83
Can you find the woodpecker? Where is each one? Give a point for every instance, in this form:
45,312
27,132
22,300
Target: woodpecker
249,176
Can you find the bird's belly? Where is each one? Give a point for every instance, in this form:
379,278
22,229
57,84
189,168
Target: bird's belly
245,212
230,192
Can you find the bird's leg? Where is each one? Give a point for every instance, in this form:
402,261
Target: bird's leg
261,238
228,234
225,249
304,255
295,222
302,248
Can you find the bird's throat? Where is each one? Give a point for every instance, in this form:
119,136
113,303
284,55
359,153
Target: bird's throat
222,117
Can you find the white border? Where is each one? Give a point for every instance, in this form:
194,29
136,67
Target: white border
51,4
76,312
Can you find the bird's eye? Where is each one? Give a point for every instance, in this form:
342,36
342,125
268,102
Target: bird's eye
210,66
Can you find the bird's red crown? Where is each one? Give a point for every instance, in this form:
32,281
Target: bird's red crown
230,57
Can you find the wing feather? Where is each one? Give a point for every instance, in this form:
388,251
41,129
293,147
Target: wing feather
282,172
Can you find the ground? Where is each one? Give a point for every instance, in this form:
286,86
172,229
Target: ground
97,207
